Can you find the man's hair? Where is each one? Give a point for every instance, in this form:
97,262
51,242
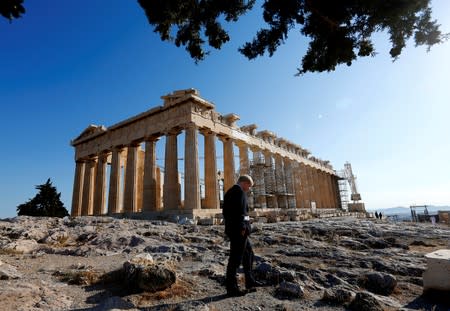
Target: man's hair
246,178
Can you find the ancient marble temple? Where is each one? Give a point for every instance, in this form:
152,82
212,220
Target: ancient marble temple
117,172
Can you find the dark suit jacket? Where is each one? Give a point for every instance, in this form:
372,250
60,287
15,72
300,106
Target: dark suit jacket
235,208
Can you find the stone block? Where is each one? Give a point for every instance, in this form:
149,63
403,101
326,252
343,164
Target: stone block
206,221
437,274
261,219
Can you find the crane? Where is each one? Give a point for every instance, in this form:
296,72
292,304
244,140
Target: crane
356,205
348,173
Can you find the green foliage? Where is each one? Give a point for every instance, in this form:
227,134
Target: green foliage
46,203
11,8
191,18
339,31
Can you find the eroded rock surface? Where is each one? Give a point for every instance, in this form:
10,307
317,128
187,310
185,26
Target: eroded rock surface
324,264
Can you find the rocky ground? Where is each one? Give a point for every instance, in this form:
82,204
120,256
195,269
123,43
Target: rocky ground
325,264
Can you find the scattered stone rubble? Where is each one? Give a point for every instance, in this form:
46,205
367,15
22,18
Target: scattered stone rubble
102,263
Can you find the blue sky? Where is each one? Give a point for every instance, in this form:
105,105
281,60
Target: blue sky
69,64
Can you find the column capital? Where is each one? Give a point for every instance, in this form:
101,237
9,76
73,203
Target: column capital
277,156
190,125
224,138
206,131
118,148
173,131
241,144
134,144
255,149
152,138
102,155
92,160
268,153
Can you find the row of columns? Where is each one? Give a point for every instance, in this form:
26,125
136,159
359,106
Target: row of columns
291,184
302,184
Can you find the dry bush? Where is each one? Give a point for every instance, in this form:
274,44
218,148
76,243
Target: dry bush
62,241
86,277
272,217
180,289
9,251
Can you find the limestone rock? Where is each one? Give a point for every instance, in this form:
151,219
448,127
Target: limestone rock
338,295
147,276
21,246
324,259
115,303
365,302
437,275
379,283
8,272
290,290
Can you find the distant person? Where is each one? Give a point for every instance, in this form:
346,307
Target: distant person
380,215
376,214
237,228
433,220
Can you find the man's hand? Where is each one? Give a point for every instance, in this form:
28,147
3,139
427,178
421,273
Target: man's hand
243,232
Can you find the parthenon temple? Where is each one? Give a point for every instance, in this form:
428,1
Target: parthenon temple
118,173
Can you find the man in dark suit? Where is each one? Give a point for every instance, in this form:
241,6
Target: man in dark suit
237,228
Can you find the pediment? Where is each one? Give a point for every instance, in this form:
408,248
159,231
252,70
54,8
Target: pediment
91,130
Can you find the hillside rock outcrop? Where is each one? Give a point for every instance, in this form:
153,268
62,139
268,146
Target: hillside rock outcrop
102,262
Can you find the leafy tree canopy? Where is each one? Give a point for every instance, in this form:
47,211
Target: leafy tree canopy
11,8
339,31
46,203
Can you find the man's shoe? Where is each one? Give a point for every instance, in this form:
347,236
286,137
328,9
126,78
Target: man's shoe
253,284
236,293
250,290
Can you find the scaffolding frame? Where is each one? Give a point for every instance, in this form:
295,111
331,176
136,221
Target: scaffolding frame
271,185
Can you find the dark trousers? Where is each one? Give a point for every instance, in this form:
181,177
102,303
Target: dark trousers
240,252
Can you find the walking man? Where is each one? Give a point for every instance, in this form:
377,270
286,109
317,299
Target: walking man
237,228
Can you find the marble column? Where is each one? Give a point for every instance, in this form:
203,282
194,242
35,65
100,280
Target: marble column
151,201
322,193
244,166
100,185
211,181
289,182
88,188
304,182
324,190
228,163
140,179
281,182
159,187
329,190
130,188
244,169
77,195
318,188
171,188
270,182
259,188
191,169
337,196
311,188
297,185
317,192
114,197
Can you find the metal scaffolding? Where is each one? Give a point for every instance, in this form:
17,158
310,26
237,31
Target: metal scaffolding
271,184
343,192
